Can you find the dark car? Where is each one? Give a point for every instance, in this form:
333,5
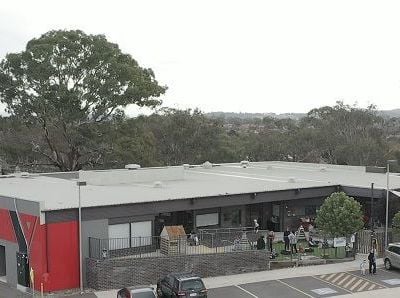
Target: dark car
137,292
181,285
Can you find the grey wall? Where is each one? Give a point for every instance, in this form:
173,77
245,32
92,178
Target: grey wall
23,206
11,261
92,228
129,210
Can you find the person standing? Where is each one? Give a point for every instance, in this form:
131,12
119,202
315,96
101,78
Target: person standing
293,241
271,237
286,239
372,262
256,226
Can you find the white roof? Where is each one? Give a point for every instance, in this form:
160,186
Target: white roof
224,179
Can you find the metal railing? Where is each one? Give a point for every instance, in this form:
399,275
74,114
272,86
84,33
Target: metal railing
157,246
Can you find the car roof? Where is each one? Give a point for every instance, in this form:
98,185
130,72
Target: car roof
184,275
139,289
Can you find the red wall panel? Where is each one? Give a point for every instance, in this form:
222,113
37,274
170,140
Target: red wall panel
62,256
6,227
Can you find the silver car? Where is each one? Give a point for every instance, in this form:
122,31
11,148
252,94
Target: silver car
392,256
137,292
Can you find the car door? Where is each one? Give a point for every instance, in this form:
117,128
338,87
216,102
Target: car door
396,256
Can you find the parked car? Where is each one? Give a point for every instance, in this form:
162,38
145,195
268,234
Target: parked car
392,256
181,285
137,292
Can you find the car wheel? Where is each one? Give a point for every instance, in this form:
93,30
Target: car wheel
388,265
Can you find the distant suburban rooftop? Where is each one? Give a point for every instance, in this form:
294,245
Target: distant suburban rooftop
116,187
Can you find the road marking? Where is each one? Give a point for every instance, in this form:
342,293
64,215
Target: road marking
356,284
363,286
392,282
296,289
244,290
373,282
344,279
337,277
349,282
372,287
336,286
324,291
330,276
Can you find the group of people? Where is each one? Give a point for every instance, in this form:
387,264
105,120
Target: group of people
290,238
371,263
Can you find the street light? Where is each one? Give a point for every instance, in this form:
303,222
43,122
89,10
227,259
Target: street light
387,198
80,183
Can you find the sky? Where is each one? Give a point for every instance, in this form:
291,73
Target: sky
238,56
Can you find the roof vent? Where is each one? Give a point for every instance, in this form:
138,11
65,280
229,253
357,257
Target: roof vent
207,165
292,180
244,163
323,169
132,166
158,184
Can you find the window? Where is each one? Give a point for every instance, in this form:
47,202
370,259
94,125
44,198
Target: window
141,233
192,284
119,236
210,219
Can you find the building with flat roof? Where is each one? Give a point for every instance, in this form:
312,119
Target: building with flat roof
39,212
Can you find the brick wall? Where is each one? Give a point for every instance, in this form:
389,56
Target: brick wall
118,273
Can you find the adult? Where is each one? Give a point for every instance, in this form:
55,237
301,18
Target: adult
372,262
286,239
261,242
271,237
256,226
293,241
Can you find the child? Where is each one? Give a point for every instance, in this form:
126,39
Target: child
363,267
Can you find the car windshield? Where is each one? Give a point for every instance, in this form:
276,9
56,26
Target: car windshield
192,284
147,294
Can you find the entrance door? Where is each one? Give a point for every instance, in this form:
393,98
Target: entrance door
3,271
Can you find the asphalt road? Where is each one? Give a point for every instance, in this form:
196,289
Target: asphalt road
326,285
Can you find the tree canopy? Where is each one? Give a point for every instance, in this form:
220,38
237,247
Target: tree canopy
66,82
339,216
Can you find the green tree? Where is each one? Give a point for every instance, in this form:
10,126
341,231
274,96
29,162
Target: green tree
67,82
339,216
396,225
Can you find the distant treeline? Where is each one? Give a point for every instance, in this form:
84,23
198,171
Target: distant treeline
340,134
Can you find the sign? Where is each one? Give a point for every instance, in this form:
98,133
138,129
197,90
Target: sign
324,291
353,238
339,242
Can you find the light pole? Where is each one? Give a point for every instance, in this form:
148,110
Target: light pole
80,183
387,199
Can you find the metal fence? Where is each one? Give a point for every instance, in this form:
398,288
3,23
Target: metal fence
156,246
366,240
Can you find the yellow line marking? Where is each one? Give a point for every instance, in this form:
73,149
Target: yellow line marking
344,279
337,277
349,282
363,286
372,287
356,284
336,286
331,276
